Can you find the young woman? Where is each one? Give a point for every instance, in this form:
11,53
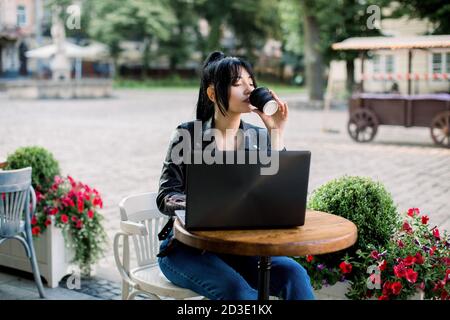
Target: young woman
224,95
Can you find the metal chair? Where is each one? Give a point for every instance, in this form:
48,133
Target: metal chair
141,220
16,214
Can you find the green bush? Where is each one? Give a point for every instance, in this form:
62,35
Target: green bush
42,162
364,202
369,206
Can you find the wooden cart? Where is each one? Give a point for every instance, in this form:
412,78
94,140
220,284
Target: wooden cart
367,111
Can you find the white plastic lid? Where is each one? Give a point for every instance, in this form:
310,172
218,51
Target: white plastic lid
270,107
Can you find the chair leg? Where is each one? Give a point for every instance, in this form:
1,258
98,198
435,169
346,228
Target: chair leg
125,290
35,268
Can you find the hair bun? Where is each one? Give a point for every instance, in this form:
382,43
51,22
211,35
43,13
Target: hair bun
212,57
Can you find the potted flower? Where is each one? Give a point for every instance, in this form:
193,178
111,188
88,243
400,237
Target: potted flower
367,204
417,259
67,225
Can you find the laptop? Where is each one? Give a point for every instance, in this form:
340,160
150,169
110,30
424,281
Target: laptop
238,196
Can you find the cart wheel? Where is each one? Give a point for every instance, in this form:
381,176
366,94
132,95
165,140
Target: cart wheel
363,125
440,129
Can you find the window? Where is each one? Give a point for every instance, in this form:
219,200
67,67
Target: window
21,16
376,63
437,63
448,62
389,63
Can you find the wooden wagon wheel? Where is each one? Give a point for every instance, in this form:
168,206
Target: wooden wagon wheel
440,129
363,125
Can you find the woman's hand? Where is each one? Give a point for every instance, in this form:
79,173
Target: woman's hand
277,122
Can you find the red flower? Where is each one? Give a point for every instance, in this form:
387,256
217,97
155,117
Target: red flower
432,250
413,211
383,297
309,258
345,267
396,288
36,230
436,234
406,227
399,270
374,254
411,275
98,202
33,220
419,258
386,288
425,219
91,215
74,219
80,205
400,243
79,224
64,218
382,266
48,222
409,260
53,211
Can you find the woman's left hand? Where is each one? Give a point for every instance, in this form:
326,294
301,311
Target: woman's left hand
278,119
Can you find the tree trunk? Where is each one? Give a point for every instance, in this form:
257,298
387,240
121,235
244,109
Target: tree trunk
350,75
315,81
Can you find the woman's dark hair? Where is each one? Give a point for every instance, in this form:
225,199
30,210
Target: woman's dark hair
221,72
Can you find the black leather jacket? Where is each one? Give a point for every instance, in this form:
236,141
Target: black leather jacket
172,182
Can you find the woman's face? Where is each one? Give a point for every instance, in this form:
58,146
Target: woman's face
240,92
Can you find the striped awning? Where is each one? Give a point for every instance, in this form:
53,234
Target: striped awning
374,43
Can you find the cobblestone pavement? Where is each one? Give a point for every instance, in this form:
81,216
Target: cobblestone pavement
117,145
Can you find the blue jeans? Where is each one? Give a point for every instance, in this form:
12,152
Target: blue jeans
232,277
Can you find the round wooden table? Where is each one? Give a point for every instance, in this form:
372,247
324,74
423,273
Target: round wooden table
321,233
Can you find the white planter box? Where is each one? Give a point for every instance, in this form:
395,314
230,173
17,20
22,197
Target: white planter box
338,291
51,252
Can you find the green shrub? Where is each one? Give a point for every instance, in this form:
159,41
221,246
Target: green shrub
43,164
364,202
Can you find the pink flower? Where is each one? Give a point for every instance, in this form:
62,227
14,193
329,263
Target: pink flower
79,224
400,243
90,214
374,254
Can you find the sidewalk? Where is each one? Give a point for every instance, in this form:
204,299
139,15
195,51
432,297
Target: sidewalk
18,285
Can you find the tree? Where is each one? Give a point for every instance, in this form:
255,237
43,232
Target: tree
117,20
437,11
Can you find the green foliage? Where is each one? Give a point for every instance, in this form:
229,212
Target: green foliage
362,201
43,164
73,207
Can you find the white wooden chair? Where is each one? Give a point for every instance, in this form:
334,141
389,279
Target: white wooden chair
141,221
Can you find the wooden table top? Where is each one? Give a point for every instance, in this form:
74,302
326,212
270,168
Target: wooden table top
321,233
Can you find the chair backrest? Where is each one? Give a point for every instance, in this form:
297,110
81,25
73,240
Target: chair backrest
14,195
142,208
